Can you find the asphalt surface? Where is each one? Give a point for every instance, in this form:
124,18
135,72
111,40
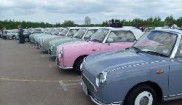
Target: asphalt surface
30,77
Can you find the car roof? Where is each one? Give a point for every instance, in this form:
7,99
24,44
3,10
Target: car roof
175,31
137,32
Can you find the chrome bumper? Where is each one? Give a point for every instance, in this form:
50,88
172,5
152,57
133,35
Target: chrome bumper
64,68
97,102
100,103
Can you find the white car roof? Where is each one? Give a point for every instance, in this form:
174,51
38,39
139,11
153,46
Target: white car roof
137,32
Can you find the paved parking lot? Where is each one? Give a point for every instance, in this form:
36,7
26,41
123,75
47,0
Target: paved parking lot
30,77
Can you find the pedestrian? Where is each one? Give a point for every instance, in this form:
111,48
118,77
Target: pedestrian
1,32
20,33
4,33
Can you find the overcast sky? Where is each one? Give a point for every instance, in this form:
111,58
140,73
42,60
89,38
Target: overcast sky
56,11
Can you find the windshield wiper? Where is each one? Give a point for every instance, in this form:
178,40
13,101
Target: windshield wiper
137,49
156,53
96,40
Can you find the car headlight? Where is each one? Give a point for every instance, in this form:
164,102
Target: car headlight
61,54
101,79
52,47
81,65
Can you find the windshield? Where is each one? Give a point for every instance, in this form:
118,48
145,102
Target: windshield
64,32
37,30
80,33
89,33
100,35
156,41
121,36
72,32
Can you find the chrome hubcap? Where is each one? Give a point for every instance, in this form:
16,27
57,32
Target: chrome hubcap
144,101
144,98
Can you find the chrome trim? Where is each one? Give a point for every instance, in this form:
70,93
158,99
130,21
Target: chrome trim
118,67
175,49
105,39
91,83
64,68
100,103
85,33
173,97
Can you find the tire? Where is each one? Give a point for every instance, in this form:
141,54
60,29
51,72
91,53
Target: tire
26,39
13,37
145,92
77,64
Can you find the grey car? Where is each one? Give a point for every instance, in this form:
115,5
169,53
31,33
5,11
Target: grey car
148,72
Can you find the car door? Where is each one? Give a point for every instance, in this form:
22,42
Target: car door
118,40
175,76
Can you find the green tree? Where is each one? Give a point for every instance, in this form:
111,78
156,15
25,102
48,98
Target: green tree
68,23
170,20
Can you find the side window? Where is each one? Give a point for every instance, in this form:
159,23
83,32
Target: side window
121,36
179,51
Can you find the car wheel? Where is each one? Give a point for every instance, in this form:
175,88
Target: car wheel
13,37
77,65
26,39
141,95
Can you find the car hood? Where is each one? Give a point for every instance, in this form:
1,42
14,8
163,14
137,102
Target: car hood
63,40
79,44
57,40
117,60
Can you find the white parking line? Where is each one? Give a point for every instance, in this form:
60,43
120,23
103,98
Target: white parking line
26,80
66,86
63,85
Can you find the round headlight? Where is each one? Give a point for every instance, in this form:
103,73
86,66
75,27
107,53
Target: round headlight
61,54
52,47
81,65
101,79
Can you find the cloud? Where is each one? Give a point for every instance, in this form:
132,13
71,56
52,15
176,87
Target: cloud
54,11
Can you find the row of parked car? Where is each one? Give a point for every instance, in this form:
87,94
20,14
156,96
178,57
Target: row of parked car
119,65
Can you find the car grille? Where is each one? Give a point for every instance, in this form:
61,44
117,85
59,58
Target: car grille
89,85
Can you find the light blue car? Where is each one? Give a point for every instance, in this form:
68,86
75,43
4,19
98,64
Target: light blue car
148,72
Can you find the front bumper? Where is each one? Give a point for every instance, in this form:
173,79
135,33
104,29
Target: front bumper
98,102
60,66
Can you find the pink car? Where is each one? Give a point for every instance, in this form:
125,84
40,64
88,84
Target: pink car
71,55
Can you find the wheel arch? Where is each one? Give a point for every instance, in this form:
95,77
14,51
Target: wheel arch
78,59
154,85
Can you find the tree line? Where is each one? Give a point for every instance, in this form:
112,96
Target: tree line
150,22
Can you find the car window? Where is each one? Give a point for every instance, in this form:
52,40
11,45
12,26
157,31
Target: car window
179,51
89,33
72,32
157,41
122,36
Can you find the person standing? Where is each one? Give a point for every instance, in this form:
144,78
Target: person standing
21,37
4,33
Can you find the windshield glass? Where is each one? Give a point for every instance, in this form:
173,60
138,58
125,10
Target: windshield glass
89,33
64,32
156,41
121,36
80,33
72,32
37,30
99,35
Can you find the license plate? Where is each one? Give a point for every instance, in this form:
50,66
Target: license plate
84,88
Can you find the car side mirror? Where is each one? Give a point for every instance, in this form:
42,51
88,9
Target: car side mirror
110,40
